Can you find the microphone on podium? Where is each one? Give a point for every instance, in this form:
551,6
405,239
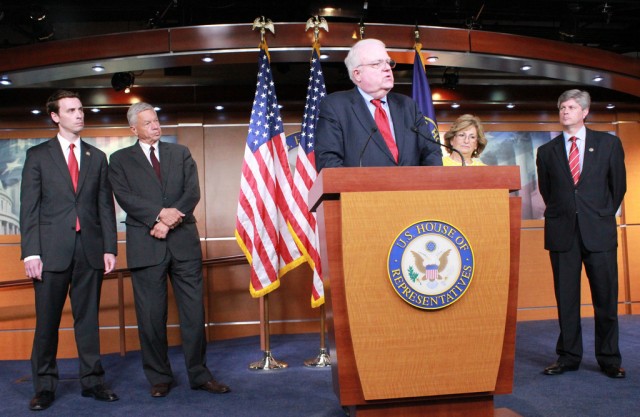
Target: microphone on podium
451,148
373,130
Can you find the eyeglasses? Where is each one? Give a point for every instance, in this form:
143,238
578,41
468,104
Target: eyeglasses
380,64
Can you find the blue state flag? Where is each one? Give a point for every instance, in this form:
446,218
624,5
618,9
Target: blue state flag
422,93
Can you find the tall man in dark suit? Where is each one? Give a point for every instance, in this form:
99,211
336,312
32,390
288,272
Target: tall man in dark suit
368,125
156,183
68,227
582,179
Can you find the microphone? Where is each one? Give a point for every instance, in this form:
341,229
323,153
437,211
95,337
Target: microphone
373,130
451,148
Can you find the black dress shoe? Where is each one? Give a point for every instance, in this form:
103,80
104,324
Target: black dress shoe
613,371
559,368
42,400
214,387
160,390
100,393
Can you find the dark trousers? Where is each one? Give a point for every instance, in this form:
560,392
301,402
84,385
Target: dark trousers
83,284
602,273
150,293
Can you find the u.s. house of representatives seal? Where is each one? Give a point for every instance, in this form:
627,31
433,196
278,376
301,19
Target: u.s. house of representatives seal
431,264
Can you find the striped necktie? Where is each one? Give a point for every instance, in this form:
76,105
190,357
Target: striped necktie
574,160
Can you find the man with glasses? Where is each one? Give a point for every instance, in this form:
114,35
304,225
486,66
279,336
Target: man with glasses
369,125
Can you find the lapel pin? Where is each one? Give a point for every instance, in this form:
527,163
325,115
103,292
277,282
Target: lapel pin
87,153
590,149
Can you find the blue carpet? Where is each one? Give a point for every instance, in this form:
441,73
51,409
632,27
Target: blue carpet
299,391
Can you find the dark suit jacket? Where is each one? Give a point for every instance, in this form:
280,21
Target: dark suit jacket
345,124
594,200
49,206
142,197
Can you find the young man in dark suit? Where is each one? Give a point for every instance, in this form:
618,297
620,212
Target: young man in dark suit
68,227
369,125
582,179
156,184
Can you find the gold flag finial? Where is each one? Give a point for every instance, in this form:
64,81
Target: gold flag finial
263,24
317,23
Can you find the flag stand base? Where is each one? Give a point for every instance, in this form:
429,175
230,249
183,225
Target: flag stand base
323,359
267,363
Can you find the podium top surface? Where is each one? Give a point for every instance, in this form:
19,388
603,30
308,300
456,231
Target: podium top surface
333,181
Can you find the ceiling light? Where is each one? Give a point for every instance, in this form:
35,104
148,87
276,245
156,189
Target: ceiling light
156,108
35,111
280,106
455,105
525,67
598,78
207,59
5,80
95,110
98,68
324,56
511,106
432,59
611,106
219,108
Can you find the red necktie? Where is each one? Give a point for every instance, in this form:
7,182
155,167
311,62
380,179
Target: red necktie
383,125
154,162
72,162
574,160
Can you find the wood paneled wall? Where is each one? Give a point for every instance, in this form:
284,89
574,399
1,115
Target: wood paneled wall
218,149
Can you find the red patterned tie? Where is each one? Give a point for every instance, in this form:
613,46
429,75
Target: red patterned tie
72,162
383,125
154,162
574,160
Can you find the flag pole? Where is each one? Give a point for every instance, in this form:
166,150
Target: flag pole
322,359
268,362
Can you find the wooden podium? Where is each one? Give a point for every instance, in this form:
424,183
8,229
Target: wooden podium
389,357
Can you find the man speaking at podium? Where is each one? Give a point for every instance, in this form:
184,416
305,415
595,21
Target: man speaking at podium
582,179
368,125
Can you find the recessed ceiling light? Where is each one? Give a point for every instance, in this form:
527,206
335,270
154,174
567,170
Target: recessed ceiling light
95,110
219,108
511,106
455,105
598,78
5,80
35,111
207,59
525,67
611,106
157,108
324,56
433,59
98,68
280,106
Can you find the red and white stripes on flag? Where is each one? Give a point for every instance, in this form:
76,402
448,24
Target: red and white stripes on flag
264,210
305,175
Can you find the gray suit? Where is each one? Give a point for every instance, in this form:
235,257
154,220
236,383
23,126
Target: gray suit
48,211
143,196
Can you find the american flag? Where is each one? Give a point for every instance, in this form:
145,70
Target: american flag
305,176
265,191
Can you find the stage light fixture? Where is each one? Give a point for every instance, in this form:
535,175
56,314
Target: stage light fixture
5,80
122,81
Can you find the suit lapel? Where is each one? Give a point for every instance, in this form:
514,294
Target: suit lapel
561,158
165,162
86,157
137,154
363,115
55,150
590,151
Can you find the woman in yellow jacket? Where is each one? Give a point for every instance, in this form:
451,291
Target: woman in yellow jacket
467,137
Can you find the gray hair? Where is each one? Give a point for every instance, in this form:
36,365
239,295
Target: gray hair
581,97
353,59
135,109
